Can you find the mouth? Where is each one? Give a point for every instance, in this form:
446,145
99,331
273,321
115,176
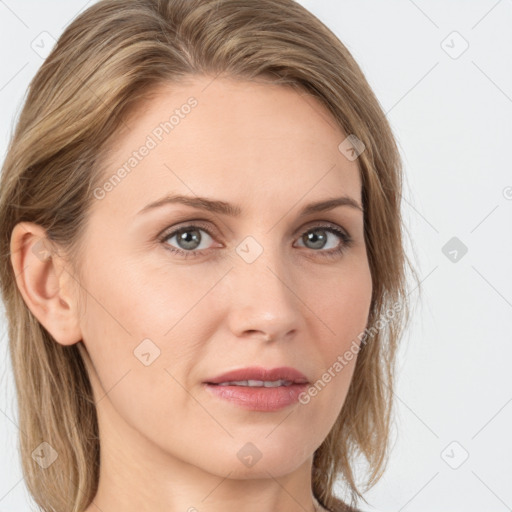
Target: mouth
259,389
256,383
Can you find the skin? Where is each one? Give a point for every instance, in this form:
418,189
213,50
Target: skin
167,444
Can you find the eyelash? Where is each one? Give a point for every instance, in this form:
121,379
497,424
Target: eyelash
347,240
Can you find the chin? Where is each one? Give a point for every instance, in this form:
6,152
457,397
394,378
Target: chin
252,460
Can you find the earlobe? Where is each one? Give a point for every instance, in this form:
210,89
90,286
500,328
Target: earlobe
44,282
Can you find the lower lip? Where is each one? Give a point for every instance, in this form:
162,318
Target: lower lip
259,398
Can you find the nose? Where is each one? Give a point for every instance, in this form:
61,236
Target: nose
262,302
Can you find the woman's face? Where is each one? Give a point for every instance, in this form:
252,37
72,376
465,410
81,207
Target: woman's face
253,281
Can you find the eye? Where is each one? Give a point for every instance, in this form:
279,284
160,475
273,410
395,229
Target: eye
323,239
195,240
190,240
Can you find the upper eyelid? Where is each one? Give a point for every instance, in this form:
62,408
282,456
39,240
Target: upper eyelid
172,230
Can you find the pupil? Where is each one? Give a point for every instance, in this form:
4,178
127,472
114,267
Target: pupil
189,242
318,241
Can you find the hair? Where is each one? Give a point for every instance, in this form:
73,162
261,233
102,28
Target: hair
107,61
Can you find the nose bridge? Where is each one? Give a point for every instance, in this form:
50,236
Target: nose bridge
262,297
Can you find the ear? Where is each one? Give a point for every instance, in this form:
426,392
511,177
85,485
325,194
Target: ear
47,287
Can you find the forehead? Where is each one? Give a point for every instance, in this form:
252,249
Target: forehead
261,142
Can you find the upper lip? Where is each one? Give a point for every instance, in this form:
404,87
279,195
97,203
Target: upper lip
260,373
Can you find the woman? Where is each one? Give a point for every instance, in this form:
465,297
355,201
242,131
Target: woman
204,275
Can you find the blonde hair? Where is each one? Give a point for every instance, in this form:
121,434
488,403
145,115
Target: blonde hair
106,61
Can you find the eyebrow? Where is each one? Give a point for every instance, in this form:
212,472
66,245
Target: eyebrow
232,210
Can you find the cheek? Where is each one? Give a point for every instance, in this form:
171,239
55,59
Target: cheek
134,299
141,342
144,324
342,318
123,322
343,305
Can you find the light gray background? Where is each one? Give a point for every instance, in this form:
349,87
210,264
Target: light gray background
451,113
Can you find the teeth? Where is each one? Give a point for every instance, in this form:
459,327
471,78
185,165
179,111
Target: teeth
257,383
276,383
